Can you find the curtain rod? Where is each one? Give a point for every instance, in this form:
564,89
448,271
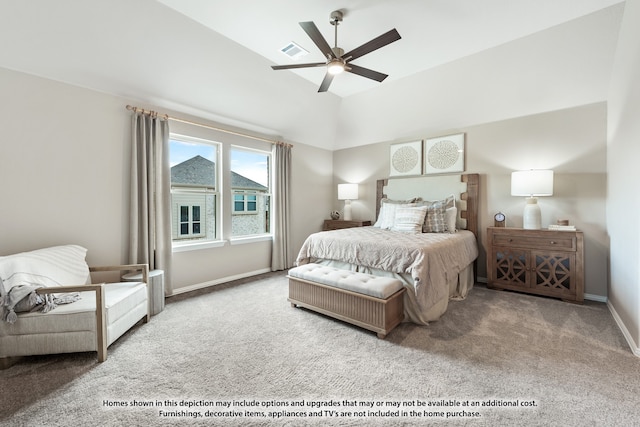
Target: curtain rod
175,119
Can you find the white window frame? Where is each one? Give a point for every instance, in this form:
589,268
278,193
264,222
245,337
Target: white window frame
198,241
259,236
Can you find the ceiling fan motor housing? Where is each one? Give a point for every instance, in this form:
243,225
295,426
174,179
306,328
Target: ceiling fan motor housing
336,17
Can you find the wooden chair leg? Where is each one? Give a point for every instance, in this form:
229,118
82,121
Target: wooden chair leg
101,325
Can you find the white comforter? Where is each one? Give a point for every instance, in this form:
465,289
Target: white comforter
433,260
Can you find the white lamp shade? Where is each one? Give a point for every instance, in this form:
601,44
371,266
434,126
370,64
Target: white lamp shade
347,191
532,183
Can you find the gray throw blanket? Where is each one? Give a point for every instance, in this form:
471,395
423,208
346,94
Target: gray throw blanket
24,298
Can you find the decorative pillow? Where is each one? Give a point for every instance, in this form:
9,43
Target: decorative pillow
435,221
409,219
388,212
55,266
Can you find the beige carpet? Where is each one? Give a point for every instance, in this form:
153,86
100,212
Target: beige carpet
244,345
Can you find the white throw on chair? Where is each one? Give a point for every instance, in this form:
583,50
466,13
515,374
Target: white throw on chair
64,312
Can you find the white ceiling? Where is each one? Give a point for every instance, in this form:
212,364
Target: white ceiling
434,32
459,62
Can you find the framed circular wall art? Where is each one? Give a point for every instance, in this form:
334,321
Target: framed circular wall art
405,159
444,154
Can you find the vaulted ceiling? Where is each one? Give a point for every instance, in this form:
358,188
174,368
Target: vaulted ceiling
458,63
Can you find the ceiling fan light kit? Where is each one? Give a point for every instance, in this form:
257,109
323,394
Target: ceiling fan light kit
337,60
335,66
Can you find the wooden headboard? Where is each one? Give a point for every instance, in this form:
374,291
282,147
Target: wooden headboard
436,188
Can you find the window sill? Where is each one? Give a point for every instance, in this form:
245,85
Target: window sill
194,246
251,239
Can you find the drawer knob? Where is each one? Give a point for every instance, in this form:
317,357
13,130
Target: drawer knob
552,242
511,240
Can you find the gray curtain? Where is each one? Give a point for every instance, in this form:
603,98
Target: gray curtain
150,213
280,253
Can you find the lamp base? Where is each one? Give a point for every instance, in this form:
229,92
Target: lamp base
532,217
347,210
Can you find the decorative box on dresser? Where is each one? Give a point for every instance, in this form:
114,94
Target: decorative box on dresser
542,262
336,224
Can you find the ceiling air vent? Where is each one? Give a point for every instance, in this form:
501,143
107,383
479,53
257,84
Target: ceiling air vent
294,51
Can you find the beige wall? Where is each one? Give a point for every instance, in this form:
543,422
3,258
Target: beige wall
623,201
571,142
65,161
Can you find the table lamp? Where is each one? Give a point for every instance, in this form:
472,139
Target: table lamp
347,192
532,184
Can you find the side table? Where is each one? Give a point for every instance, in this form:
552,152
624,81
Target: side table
337,224
156,279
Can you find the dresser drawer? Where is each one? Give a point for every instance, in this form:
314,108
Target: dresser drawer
551,242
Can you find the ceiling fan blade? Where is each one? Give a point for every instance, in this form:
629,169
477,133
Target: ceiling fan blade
286,67
328,78
365,72
315,35
380,41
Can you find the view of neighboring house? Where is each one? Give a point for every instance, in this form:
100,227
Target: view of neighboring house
194,202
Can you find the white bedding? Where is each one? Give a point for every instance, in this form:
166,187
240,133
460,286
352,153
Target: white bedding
428,263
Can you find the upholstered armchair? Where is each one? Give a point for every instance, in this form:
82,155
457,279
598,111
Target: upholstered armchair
49,305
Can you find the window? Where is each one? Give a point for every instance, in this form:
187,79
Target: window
190,221
202,202
245,203
250,189
194,191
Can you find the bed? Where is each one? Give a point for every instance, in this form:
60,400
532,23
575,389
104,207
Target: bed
434,266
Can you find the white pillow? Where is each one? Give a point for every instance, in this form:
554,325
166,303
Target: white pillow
388,212
55,266
386,215
409,219
450,219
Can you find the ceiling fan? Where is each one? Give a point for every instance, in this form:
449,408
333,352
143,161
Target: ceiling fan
337,60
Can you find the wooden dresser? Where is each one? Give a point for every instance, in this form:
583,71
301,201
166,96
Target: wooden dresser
542,262
336,224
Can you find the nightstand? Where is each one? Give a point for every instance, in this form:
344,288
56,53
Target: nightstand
542,262
336,224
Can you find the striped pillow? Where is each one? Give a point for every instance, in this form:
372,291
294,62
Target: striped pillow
409,219
388,212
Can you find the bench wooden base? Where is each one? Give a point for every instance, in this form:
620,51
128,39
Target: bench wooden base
375,314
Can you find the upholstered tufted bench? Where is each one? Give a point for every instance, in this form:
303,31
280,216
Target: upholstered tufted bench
371,302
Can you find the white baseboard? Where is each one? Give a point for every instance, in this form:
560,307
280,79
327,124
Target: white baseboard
625,332
598,298
218,281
